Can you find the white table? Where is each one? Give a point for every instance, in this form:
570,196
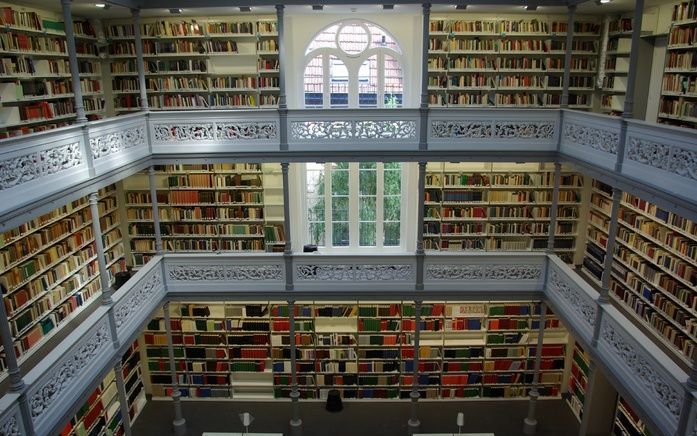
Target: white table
454,434
241,434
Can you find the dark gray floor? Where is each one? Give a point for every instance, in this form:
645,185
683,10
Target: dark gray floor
359,418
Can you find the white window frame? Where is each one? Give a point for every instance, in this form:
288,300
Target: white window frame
354,234
353,64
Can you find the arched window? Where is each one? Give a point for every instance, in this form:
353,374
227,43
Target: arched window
353,64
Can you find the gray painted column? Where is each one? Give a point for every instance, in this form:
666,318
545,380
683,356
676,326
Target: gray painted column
287,251
633,56
72,60
610,246
123,397
15,374
179,423
414,424
99,249
688,413
140,64
553,209
155,210
295,421
420,227
282,105
530,422
423,107
280,27
567,55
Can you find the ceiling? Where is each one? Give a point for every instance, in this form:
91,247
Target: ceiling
87,8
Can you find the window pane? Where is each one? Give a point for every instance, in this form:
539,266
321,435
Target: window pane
391,234
353,39
392,208
367,182
368,83
340,235
315,208
315,182
340,207
393,182
326,38
338,81
317,234
367,234
368,165
340,182
392,165
314,83
394,82
367,208
380,38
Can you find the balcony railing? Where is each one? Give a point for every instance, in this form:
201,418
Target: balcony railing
36,167
639,369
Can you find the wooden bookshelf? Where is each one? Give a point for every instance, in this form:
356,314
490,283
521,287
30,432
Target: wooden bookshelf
101,413
578,380
362,349
679,87
654,271
627,423
35,83
229,63
209,207
509,62
49,270
499,206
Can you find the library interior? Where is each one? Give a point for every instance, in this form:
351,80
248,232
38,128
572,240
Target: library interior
440,218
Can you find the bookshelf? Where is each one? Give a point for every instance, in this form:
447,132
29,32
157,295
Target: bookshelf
517,62
208,207
35,82
616,68
678,104
101,413
627,423
578,380
654,272
363,349
499,206
228,63
49,270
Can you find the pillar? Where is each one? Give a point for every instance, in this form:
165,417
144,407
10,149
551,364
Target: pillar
179,423
599,404
155,210
72,60
567,56
140,64
530,422
295,421
414,424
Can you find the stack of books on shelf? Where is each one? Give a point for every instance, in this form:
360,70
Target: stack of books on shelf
363,349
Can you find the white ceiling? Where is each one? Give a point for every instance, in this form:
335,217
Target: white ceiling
86,9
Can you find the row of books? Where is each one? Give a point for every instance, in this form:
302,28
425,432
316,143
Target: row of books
509,26
495,63
192,28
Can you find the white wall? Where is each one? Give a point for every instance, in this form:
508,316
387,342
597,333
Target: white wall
655,84
301,28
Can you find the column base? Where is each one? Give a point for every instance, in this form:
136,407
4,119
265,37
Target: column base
296,427
529,426
414,426
179,426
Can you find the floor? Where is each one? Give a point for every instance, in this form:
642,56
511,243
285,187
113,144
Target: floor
364,418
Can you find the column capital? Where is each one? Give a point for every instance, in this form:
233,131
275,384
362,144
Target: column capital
66,2
426,7
290,302
151,170
572,7
135,12
280,8
93,197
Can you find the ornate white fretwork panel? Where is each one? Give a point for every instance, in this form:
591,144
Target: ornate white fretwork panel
115,142
339,272
592,137
69,372
215,131
671,158
483,272
224,272
22,169
641,368
363,129
138,298
579,302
